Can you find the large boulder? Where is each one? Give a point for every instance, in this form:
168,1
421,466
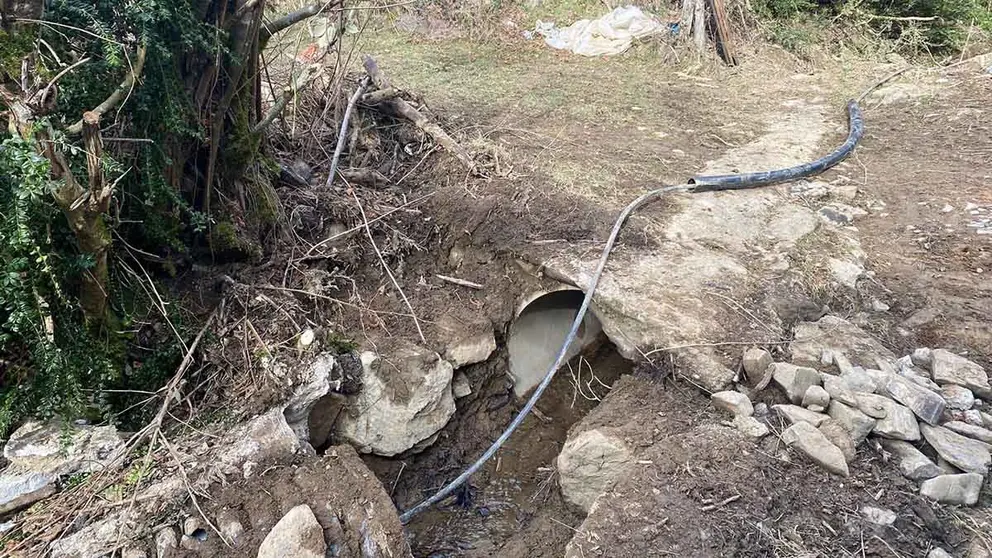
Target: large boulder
589,463
21,489
405,400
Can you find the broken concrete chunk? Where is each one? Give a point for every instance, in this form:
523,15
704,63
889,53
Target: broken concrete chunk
795,380
838,389
957,397
19,490
839,436
911,462
960,489
756,361
733,402
297,534
970,430
858,424
804,437
796,414
924,403
964,453
949,368
750,426
589,464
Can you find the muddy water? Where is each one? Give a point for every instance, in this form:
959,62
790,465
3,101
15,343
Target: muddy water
516,489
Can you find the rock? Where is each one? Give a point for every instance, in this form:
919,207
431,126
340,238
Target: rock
297,173
795,380
756,361
733,402
899,423
297,534
826,357
96,539
978,549
166,543
816,396
949,368
960,489
134,553
191,525
187,542
976,418
873,405
922,357
985,420
19,490
844,365
319,379
750,426
460,386
903,363
796,414
401,404
838,390
938,553
912,463
840,214
879,306
946,468
52,447
970,430
964,453
839,436
760,409
924,403
859,381
229,525
844,272
845,193
878,516
589,464
265,438
857,424
471,348
920,380
807,439
831,332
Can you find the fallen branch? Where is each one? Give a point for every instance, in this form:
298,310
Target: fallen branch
343,133
385,267
406,110
720,504
118,95
270,28
368,177
461,282
305,78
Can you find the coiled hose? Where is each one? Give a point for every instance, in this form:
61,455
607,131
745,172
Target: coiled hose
696,184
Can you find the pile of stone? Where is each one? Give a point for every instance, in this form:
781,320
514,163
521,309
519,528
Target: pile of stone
928,410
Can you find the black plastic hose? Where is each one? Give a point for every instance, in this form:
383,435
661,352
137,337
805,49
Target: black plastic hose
697,184
757,179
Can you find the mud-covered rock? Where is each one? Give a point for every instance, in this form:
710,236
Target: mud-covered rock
960,489
403,402
810,441
297,534
964,453
589,463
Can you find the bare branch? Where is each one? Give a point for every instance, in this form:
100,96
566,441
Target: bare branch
304,79
118,95
270,28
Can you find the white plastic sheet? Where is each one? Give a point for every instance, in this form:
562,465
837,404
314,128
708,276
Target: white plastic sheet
611,34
